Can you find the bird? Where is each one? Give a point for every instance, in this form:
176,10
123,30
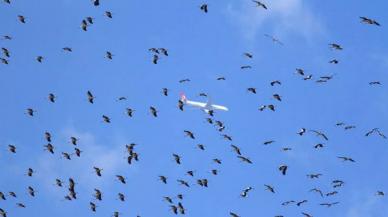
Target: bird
331,193
155,59
153,111
375,83
129,112
181,208
204,8
260,4
314,176
165,91
329,204
20,205
47,136
369,21
3,213
283,169
174,209
334,61
201,147
2,196
6,52
245,191
58,183
73,140
50,148
288,202
39,59
30,171
121,179
227,137
318,133
109,14
30,112
347,159
183,182
268,142
106,119
97,194
66,155
177,158
236,149
180,105
109,55
90,97
96,2
68,49
301,202
335,46
232,214
4,61
189,134
246,67
349,127
252,90
371,131
277,97
92,206
97,171
275,82
249,55
22,19
84,25
7,37
12,194
302,131
12,149
317,190
261,108
244,159
300,71
163,51
306,214
218,161
270,188
190,173
31,191
90,20
51,97
163,179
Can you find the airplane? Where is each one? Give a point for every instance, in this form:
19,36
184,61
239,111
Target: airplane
208,107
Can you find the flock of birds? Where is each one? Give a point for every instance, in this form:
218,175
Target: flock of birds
176,203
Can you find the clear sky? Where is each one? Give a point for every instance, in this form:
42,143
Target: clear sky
202,47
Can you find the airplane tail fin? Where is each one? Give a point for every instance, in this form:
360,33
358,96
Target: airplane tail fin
183,97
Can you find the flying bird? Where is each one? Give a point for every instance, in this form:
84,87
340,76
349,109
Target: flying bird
204,8
260,4
283,169
369,21
22,19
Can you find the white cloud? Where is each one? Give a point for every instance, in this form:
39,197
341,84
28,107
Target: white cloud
109,157
282,17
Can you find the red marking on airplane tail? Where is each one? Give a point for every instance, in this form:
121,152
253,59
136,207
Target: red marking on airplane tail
183,97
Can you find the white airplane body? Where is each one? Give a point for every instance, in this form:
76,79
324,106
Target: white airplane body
207,107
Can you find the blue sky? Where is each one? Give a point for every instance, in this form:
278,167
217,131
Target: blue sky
202,47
